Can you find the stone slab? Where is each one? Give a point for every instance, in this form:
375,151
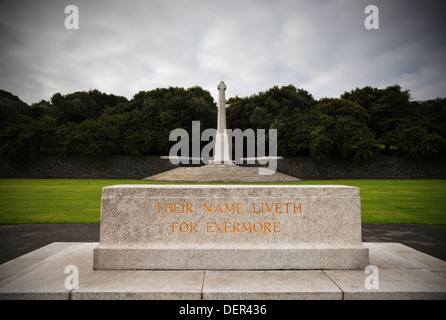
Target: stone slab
231,257
390,255
269,285
394,284
230,227
402,278
381,255
21,265
46,280
141,284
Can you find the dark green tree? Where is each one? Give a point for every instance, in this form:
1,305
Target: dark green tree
80,106
365,97
10,108
339,128
284,109
417,142
431,114
28,137
392,109
146,121
261,110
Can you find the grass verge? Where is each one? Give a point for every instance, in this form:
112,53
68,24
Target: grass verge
79,200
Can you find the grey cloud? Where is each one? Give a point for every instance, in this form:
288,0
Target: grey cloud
123,47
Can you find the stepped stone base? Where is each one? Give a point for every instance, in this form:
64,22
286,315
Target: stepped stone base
404,273
220,173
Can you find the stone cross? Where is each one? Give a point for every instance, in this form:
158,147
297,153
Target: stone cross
221,150
221,124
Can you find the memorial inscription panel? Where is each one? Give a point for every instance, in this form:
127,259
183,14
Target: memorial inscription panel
230,227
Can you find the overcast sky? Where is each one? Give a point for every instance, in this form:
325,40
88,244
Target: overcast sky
123,47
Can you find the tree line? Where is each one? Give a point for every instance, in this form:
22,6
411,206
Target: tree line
361,124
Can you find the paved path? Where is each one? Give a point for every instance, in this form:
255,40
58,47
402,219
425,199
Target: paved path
16,240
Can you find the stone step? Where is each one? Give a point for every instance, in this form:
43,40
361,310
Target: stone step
220,173
401,273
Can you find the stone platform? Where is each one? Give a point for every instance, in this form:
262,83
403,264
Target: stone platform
219,173
403,273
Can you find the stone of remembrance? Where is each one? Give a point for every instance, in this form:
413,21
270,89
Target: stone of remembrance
230,227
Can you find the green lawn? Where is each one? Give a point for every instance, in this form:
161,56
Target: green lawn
78,200
399,201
